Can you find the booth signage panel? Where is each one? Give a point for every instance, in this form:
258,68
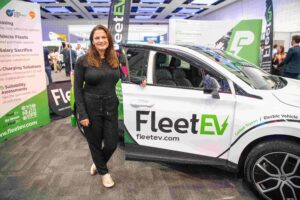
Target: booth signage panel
23,95
155,39
241,38
59,98
118,21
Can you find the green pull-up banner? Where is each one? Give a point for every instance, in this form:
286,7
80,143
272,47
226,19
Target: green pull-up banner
23,95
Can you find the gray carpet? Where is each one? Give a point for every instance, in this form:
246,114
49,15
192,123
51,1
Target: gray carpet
53,162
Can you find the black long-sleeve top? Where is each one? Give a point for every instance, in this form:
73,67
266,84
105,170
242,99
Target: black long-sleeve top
88,79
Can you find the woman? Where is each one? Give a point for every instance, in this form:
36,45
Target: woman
96,75
277,59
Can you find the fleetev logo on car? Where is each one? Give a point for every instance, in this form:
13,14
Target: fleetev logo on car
207,124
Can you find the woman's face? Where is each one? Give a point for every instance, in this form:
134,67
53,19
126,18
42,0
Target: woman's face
100,40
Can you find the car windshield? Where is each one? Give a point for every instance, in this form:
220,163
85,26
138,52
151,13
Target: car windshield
249,73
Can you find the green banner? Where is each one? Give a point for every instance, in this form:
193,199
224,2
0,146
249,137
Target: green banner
23,94
30,114
245,40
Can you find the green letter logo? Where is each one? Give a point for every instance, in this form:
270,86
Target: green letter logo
119,8
218,130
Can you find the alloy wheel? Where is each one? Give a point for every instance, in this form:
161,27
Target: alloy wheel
277,176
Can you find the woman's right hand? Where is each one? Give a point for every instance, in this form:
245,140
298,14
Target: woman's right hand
85,122
143,83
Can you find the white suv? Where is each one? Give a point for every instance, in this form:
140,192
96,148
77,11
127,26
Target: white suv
203,106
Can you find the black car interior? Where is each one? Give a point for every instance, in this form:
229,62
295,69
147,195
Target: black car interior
176,74
171,74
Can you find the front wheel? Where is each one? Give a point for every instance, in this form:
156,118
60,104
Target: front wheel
273,169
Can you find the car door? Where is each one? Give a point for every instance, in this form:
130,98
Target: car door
168,121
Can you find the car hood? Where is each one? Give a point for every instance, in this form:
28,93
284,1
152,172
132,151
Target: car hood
290,94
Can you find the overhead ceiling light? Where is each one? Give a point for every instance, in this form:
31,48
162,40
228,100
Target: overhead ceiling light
98,1
56,9
147,9
189,10
43,1
178,17
152,1
100,9
143,16
204,2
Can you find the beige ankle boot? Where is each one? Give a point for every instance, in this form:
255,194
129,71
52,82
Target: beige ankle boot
93,170
107,181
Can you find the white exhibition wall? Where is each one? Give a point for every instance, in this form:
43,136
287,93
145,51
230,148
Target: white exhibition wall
61,26
286,13
136,32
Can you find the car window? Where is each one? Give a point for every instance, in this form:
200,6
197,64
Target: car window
247,72
176,72
137,62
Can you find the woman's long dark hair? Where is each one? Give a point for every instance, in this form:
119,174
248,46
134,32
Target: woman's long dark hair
93,56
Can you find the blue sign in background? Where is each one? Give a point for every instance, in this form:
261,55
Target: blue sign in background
155,39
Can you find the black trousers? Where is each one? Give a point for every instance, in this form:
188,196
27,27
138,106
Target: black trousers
102,133
68,68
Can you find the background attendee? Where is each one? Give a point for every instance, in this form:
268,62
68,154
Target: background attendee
54,60
79,51
66,55
274,51
73,56
47,65
262,46
277,59
96,75
292,60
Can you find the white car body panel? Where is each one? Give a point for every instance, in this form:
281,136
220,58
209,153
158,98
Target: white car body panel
266,113
168,105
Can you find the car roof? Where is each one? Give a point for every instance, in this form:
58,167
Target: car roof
158,47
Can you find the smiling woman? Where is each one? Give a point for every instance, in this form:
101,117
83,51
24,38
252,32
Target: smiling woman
96,75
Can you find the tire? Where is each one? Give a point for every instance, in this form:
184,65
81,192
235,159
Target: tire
272,169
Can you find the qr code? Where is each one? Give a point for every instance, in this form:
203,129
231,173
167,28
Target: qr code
29,111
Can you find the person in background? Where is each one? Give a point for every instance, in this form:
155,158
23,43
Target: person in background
291,62
96,75
47,65
53,56
79,51
277,59
66,55
73,57
274,51
261,51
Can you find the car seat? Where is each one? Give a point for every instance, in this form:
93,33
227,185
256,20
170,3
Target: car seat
179,76
164,77
161,60
175,63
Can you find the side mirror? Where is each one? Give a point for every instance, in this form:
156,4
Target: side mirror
215,94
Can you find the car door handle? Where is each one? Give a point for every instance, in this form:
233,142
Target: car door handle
141,103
